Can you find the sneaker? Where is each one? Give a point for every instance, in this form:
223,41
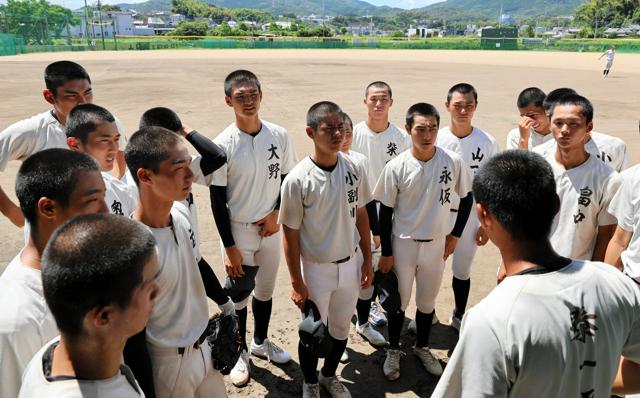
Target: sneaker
333,386
240,373
371,335
270,351
377,315
310,390
454,321
391,367
413,328
430,363
345,356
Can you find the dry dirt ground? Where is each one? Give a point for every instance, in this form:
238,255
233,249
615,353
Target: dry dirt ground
190,82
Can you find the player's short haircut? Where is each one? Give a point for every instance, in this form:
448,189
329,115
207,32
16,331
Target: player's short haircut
93,261
462,88
319,111
378,84
161,117
531,95
83,119
237,77
421,109
578,100
555,95
519,190
148,147
52,173
347,119
58,73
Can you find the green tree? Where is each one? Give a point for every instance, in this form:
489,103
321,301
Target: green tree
189,28
35,20
597,15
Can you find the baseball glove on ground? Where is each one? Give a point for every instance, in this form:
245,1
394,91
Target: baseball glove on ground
224,339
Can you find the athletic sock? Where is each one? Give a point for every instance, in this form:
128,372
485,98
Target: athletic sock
242,325
333,359
261,316
461,294
362,309
395,322
308,364
423,328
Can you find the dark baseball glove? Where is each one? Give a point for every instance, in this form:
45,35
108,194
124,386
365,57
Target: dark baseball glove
224,339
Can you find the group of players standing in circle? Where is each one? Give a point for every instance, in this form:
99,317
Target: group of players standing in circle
372,210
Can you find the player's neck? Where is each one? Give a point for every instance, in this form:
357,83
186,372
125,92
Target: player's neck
378,125
78,359
251,125
31,254
570,158
460,130
153,211
423,155
59,116
325,160
519,256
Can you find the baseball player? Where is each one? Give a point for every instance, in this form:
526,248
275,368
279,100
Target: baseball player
611,150
181,363
533,128
380,141
414,192
583,227
610,54
67,85
52,186
92,129
555,327
259,156
325,223
475,146
99,279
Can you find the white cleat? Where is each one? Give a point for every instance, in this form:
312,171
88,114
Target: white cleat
270,351
371,335
345,357
391,367
333,386
310,390
430,363
455,322
240,373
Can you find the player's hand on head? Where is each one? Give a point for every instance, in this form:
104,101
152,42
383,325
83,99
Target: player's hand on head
299,294
185,130
233,262
385,264
481,236
269,224
450,243
376,241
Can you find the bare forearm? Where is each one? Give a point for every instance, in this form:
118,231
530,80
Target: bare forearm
602,240
10,209
362,223
291,245
617,245
628,378
120,166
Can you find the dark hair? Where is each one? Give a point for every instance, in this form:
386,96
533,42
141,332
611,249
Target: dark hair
519,190
52,173
347,118
161,117
578,100
238,77
82,120
462,88
148,147
378,84
93,261
319,111
555,95
421,109
531,95
58,73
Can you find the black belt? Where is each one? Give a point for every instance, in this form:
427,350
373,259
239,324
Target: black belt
423,240
344,260
196,345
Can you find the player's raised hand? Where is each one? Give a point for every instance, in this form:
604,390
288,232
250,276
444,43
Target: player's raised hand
385,264
450,244
233,262
185,130
299,294
269,224
481,236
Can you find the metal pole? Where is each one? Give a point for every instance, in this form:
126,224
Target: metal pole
86,22
114,23
101,26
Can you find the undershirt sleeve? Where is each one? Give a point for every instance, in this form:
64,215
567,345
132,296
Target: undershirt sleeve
386,224
464,209
213,157
218,196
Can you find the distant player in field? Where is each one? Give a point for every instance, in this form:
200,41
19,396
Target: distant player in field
180,358
99,280
414,192
583,227
67,85
533,128
475,146
325,223
245,199
555,327
52,186
380,141
610,54
92,129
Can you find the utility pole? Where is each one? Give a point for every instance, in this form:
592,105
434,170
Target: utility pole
86,22
101,26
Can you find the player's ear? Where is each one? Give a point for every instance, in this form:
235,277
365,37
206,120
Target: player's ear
144,175
48,96
390,102
309,131
227,100
99,317
73,143
483,216
408,128
589,127
446,105
47,207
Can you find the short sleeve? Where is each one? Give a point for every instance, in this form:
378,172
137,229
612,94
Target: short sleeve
16,142
365,193
611,186
290,158
198,176
621,206
386,190
513,139
464,184
16,350
291,207
123,135
624,162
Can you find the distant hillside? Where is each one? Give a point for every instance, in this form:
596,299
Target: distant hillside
491,8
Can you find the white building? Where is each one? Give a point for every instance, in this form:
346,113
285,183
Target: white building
119,22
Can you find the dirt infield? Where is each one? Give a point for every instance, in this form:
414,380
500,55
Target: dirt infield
190,82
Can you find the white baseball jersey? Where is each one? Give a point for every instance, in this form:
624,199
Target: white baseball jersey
379,148
535,139
558,334
35,134
322,204
611,150
120,198
38,383
475,148
26,323
361,159
253,170
180,313
585,192
420,192
610,54
625,206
